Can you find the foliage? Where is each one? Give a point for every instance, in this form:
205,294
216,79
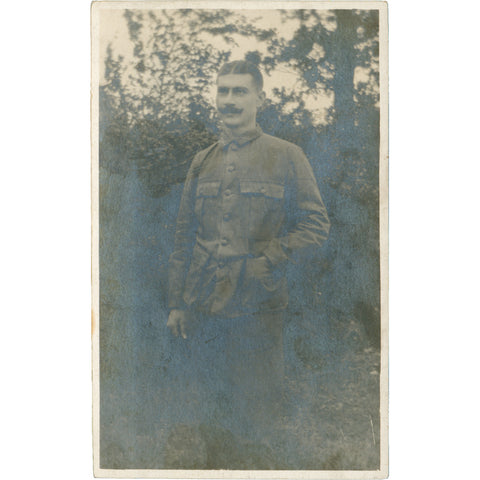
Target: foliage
156,111
155,114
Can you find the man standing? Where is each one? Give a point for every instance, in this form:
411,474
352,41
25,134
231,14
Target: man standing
250,204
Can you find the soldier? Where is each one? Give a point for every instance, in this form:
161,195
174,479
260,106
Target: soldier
250,204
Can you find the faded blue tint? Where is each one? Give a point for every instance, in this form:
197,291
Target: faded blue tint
152,411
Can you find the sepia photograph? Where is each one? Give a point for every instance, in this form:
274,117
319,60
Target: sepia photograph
240,239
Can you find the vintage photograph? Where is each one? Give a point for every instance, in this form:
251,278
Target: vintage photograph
240,239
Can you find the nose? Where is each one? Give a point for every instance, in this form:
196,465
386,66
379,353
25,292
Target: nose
226,98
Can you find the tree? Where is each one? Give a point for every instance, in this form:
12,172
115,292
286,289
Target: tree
156,114
154,103
337,53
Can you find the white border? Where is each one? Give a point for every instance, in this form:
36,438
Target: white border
383,178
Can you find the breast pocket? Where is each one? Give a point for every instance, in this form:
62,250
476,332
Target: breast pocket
266,203
207,193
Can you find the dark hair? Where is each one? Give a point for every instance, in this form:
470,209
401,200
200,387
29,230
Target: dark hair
243,67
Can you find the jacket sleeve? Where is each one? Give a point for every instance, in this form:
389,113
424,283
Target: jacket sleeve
179,260
308,224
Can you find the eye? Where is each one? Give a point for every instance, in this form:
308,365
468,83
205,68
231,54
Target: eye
239,91
222,91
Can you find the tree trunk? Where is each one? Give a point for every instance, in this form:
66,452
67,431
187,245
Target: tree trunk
345,63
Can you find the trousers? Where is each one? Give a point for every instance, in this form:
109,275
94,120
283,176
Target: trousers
236,368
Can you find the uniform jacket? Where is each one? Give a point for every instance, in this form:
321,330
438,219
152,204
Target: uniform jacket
248,205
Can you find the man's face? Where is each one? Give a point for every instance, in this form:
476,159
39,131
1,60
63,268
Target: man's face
238,100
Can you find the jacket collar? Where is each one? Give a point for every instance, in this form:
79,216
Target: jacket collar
226,137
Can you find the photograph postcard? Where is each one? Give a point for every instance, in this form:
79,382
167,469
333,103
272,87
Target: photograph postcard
240,239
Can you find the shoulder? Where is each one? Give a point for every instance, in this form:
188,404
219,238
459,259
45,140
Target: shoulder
201,155
289,154
199,158
274,143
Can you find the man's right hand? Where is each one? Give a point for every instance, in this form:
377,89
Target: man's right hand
177,322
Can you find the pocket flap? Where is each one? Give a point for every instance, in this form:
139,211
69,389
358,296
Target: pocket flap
208,189
261,188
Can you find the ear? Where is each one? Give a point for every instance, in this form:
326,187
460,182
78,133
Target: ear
260,99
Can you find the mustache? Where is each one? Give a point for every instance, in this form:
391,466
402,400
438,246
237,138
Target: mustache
226,110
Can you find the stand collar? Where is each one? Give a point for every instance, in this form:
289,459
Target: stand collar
226,137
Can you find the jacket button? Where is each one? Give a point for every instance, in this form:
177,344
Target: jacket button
227,193
224,242
230,168
221,264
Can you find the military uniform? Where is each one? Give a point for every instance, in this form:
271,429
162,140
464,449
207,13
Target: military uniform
249,204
